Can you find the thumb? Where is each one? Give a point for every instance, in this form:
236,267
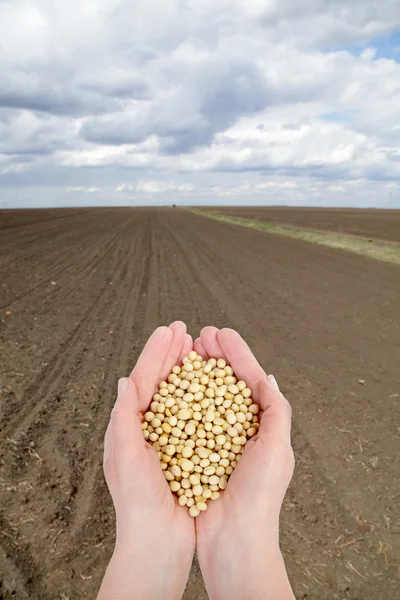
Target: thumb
277,413
125,423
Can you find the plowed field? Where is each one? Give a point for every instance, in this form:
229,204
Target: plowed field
80,292
370,223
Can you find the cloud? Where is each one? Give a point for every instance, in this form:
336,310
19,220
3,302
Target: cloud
155,187
85,190
189,97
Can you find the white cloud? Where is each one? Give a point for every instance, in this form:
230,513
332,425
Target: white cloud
155,187
216,95
85,190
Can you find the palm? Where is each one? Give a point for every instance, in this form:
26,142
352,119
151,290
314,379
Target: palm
165,348
262,454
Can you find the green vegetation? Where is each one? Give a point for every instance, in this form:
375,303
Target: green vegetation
376,249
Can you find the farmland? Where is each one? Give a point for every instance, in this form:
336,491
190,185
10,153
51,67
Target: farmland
80,292
370,223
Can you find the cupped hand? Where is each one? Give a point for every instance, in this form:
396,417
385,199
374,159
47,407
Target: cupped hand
155,536
238,536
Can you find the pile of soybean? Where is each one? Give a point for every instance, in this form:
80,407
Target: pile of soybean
199,422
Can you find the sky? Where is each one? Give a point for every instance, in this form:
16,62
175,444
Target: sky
117,102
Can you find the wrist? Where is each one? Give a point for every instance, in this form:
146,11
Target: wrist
145,573
240,572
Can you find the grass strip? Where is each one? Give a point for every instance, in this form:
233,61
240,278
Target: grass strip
377,249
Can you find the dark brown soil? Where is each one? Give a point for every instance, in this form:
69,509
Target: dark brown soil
80,291
370,223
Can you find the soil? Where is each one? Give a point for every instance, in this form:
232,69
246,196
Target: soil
80,292
369,223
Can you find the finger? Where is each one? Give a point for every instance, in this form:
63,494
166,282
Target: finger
146,372
187,347
199,348
241,358
126,430
208,337
179,337
107,446
276,418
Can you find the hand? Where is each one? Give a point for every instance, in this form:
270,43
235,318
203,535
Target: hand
238,536
155,536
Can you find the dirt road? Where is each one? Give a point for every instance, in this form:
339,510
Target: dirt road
80,292
370,223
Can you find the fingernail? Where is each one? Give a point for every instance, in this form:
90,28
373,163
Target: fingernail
122,385
273,382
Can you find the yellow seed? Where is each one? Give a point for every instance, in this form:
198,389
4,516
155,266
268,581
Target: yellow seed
220,471
176,432
174,486
214,457
215,495
221,363
176,471
170,450
149,416
184,414
204,463
197,416
217,430
187,452
220,440
228,470
231,418
209,470
187,465
214,488
163,440
183,500
168,476
166,427
203,478
153,437
190,502
201,505
194,479
190,428
206,493
246,393
194,511
240,418
197,490
241,385
185,483
223,483
213,480
202,452
254,409
251,431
